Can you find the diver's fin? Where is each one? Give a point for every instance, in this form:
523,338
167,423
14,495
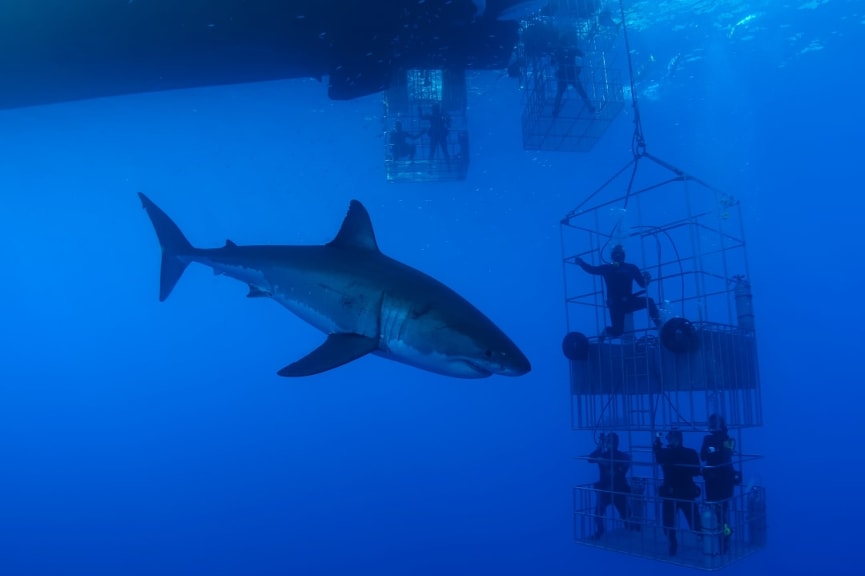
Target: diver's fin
337,350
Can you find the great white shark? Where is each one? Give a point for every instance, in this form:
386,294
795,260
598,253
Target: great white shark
364,301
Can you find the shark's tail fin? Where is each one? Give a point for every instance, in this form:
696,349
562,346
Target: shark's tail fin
173,243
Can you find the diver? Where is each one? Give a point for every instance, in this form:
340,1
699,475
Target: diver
618,277
439,125
717,455
568,61
399,143
612,485
678,492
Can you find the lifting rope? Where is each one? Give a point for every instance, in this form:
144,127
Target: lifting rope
638,144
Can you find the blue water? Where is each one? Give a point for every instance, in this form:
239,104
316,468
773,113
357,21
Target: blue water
139,437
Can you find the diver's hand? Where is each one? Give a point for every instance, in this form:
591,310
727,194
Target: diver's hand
647,276
579,260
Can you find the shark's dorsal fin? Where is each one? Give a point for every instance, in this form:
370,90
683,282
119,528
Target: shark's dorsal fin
356,231
230,244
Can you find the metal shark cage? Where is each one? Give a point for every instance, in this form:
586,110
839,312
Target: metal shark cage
558,53
702,361
418,99
694,364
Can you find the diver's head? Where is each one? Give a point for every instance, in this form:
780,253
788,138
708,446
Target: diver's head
613,441
717,424
674,438
617,254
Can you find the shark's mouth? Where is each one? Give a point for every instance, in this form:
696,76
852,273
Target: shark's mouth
479,370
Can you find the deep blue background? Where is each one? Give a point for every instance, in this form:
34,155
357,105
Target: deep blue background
146,438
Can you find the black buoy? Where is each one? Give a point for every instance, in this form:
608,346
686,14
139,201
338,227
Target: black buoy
679,336
575,346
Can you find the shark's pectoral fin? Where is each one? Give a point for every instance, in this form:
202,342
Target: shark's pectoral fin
337,350
257,293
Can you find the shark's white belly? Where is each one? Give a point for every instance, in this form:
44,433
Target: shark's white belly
404,330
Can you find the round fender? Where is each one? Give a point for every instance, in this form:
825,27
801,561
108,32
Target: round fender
575,346
679,336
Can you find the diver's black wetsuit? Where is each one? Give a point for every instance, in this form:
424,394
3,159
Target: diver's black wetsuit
439,125
717,454
678,491
612,486
568,73
620,297
400,146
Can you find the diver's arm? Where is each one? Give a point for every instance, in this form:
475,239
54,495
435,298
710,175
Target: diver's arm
660,453
599,270
641,278
705,450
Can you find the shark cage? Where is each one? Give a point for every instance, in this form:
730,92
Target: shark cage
569,61
426,135
689,367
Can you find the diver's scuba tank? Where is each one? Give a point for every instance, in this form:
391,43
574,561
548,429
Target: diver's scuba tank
744,303
756,516
712,532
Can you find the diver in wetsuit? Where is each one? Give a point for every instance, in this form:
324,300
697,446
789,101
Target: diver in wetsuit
612,486
399,143
717,455
619,277
678,492
568,60
439,125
